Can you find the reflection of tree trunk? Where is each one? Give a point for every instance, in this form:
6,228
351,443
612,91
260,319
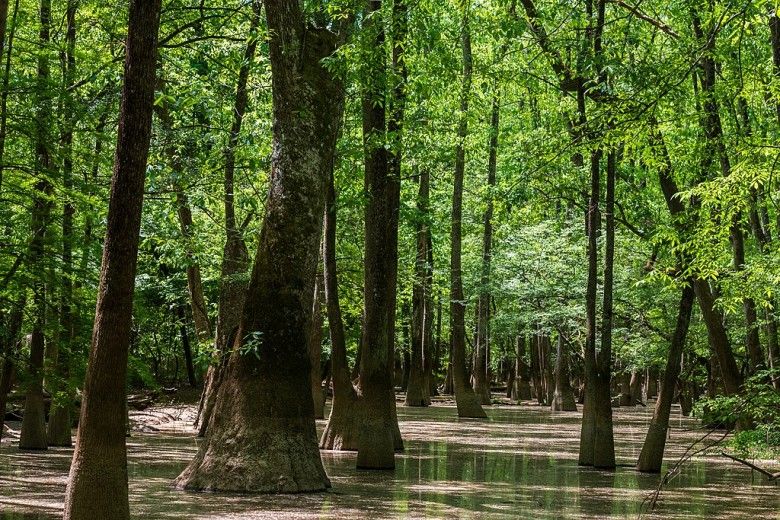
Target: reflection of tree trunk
97,484
653,449
465,398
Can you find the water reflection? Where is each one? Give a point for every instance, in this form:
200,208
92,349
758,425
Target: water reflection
520,463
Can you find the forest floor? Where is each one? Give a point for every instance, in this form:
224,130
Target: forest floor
520,463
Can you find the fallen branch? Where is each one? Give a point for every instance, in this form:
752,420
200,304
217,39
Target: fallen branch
767,474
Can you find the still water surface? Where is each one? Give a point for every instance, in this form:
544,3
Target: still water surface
521,463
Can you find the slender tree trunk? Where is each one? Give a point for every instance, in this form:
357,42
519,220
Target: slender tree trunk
10,345
653,449
235,257
342,429
465,398
418,391
59,428
33,434
7,48
262,435
97,484
376,441
563,400
522,375
315,351
481,378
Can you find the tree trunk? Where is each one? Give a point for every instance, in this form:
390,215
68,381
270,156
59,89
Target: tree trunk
563,399
235,257
33,434
97,484
9,343
342,429
262,434
522,374
653,449
59,428
465,398
186,347
376,441
315,351
7,48
481,367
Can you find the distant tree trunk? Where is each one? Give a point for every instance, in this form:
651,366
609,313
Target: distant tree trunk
59,429
97,484
522,375
481,370
315,351
235,257
563,399
262,435
377,439
9,342
465,398
547,374
186,347
341,431
651,458
635,388
418,391
33,434
651,385
7,48
436,358
625,398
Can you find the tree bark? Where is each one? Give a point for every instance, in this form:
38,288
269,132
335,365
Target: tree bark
651,457
9,342
522,374
262,436
481,368
563,399
376,440
33,434
235,257
315,351
97,484
466,400
418,391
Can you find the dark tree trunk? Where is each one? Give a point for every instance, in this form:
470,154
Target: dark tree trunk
481,367
200,315
419,388
522,372
377,438
653,449
342,429
262,434
59,428
97,485
536,368
7,48
33,434
186,347
465,398
235,257
315,351
651,385
9,342
563,399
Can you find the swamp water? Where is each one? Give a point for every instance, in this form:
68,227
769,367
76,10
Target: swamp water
521,463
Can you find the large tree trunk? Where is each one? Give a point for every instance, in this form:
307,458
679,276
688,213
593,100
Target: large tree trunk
563,399
262,434
342,429
418,390
235,257
465,398
377,438
653,449
33,434
97,484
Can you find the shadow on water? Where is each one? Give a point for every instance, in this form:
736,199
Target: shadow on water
522,462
